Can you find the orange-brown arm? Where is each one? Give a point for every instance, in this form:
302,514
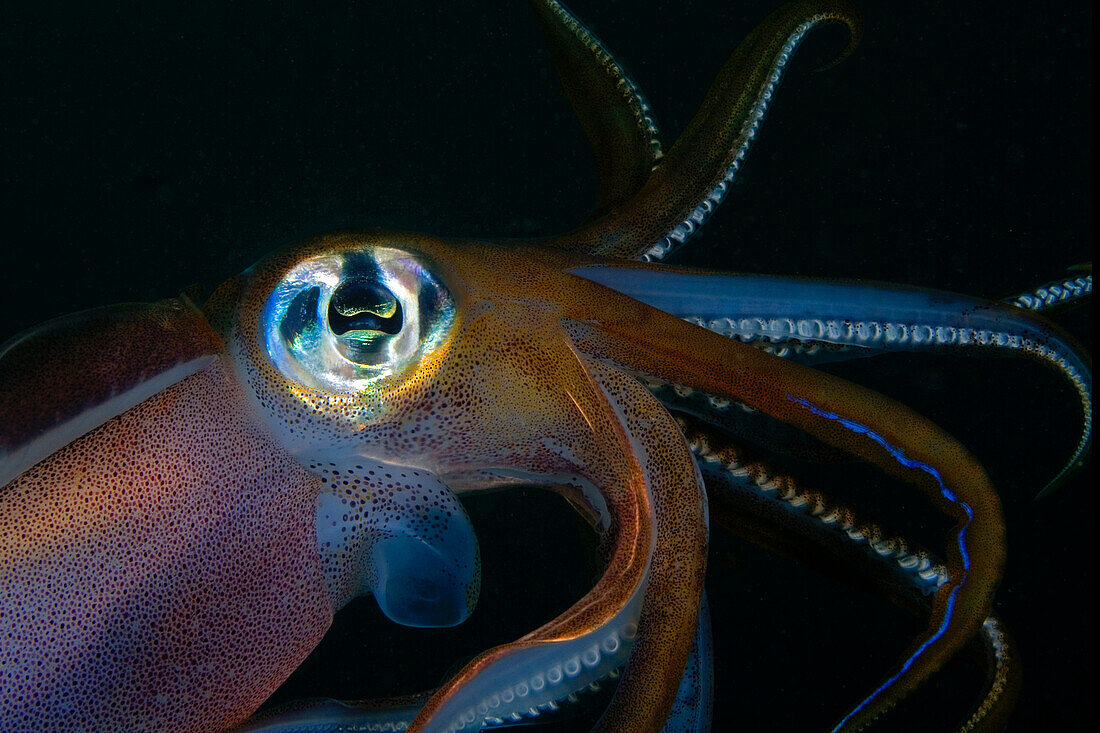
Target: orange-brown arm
860,422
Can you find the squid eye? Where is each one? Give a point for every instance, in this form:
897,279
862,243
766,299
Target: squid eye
348,321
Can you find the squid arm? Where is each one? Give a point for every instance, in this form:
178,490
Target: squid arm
648,216
634,336
816,320
691,711
781,514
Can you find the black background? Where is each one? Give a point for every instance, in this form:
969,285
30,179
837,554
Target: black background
148,147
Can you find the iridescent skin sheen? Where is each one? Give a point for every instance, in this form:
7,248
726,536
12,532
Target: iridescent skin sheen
214,486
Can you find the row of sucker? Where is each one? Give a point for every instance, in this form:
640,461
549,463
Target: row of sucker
871,334
554,683
384,715
1058,292
701,213
772,336
926,572
787,337
636,101
380,716
1003,682
656,385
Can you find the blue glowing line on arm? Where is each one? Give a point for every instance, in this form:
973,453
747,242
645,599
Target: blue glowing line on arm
899,455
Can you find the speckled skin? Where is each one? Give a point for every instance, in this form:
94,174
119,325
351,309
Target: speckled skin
158,573
93,355
369,505
87,367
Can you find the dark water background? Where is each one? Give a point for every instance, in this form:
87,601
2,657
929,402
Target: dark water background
146,147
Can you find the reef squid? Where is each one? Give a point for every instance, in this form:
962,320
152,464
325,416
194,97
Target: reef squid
191,493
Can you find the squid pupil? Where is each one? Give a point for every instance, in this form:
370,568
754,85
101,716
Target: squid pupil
364,305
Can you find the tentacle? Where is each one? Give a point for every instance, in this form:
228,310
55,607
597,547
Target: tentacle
694,706
691,712
669,614
564,656
1004,678
815,320
1056,294
614,114
749,424
781,514
692,179
861,422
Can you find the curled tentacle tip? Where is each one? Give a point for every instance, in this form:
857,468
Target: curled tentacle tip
850,16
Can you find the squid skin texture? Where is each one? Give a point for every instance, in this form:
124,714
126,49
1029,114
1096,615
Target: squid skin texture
170,576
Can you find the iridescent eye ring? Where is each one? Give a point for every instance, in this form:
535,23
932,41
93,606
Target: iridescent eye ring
351,320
